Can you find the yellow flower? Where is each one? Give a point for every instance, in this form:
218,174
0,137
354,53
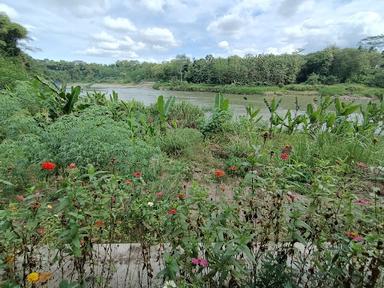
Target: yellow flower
49,206
12,207
33,277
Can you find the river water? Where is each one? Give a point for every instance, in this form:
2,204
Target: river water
147,95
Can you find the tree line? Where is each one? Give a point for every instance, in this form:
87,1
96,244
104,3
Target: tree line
329,66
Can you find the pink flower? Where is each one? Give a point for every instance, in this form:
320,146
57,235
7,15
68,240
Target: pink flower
200,261
72,165
358,238
204,262
362,202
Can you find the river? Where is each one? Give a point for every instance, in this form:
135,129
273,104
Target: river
147,95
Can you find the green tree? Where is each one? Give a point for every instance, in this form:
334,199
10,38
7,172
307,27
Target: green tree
10,34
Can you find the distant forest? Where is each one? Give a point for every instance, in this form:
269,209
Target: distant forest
329,66
332,65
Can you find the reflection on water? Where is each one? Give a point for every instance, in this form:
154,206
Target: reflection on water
148,95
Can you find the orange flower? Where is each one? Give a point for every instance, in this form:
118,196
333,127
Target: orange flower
351,234
232,168
128,182
99,224
219,173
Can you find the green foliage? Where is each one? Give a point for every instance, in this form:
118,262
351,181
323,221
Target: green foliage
180,141
163,108
17,125
100,141
185,115
10,34
60,102
20,160
219,117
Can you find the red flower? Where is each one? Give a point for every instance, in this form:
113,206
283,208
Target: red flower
232,168
20,198
172,211
181,196
219,173
137,174
284,156
49,166
72,166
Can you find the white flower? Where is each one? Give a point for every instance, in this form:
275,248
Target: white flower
170,284
150,204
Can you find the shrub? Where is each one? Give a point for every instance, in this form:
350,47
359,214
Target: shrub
186,115
99,141
20,160
180,141
28,97
18,124
8,106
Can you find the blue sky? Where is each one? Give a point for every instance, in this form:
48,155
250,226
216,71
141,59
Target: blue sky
104,31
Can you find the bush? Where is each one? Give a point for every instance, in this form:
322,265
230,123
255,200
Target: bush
11,71
313,79
8,106
18,124
99,141
20,160
180,141
27,95
186,115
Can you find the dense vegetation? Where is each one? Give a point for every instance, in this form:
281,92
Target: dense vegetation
200,200
330,66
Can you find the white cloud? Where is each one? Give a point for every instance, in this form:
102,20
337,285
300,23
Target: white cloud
11,12
155,5
122,24
223,45
159,37
104,36
227,24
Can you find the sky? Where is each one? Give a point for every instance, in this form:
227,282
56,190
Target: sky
104,31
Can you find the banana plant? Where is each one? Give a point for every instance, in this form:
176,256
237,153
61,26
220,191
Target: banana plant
252,113
318,115
344,109
274,119
61,101
221,104
164,108
292,122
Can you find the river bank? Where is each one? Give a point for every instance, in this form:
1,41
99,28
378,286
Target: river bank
346,91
